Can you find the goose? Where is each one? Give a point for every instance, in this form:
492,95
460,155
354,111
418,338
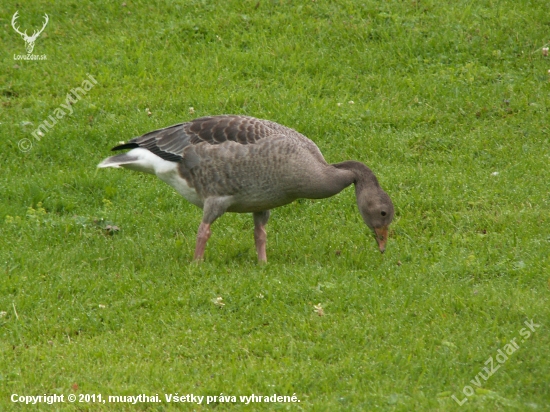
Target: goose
234,163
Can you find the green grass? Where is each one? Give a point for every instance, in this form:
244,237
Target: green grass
450,109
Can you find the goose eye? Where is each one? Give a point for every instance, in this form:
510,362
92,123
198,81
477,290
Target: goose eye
383,213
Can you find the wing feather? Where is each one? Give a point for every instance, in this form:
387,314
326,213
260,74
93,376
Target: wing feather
170,143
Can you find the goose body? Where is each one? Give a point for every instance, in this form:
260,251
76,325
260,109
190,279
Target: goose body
247,165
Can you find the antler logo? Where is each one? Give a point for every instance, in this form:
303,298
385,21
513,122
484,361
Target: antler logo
29,40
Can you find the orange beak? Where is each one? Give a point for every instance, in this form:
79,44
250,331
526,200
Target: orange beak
381,237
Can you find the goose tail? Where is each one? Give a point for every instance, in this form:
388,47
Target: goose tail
118,161
141,160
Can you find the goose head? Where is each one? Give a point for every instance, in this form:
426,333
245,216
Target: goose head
377,211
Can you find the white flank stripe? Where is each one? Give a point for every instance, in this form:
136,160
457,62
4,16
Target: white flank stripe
165,170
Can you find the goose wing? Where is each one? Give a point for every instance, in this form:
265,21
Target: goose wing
169,143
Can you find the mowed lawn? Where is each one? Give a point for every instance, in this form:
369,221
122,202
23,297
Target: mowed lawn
447,102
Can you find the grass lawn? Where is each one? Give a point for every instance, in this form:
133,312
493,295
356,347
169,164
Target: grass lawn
447,101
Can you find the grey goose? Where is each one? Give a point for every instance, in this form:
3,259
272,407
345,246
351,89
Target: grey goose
241,164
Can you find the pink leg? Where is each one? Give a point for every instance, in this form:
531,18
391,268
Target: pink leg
202,237
260,235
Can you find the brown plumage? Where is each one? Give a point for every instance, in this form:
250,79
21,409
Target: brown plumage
243,164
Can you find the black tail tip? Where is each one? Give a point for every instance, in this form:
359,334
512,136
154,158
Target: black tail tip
124,146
